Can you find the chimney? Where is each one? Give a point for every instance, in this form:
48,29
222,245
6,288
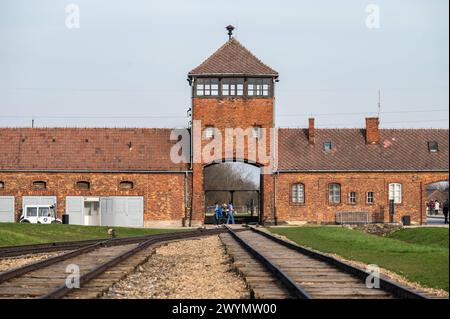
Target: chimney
372,130
311,131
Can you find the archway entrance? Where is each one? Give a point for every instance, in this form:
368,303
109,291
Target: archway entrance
437,197
235,182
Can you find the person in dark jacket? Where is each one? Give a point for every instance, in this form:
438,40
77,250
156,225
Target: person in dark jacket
445,211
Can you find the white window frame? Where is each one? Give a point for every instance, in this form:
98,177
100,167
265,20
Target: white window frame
395,192
298,193
208,133
350,198
334,193
372,197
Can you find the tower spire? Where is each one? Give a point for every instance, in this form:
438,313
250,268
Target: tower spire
230,29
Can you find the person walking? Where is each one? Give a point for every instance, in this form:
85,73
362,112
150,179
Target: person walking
445,211
230,213
217,214
437,207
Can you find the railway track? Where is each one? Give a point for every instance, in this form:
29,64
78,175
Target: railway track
13,251
98,265
275,268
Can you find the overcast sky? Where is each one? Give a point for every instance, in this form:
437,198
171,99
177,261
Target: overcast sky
130,59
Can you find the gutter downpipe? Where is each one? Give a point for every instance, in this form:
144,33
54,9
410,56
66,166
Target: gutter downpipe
275,197
191,155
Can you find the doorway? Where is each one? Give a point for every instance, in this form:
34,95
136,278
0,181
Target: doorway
437,198
235,182
91,212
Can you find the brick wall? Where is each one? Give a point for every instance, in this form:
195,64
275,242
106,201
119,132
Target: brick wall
164,197
317,209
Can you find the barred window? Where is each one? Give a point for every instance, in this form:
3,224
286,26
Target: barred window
334,193
395,192
370,198
207,87
258,87
233,87
126,185
83,185
298,193
38,185
352,198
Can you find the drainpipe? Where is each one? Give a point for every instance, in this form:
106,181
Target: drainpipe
421,202
185,198
275,198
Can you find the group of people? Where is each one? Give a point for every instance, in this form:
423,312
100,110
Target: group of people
434,207
223,212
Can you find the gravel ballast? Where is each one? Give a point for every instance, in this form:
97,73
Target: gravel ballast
9,263
187,269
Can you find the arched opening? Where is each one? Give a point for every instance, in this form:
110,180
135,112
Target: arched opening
235,182
436,199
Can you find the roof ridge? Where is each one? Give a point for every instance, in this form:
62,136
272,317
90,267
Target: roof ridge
217,61
251,53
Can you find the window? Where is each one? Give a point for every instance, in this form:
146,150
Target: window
209,132
298,193
44,212
126,185
370,198
256,132
327,146
83,185
2,185
395,192
232,87
258,87
39,185
352,198
334,193
207,87
433,147
31,212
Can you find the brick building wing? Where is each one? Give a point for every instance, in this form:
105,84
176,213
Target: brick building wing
397,150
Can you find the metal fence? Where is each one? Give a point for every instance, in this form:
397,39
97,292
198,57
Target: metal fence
353,218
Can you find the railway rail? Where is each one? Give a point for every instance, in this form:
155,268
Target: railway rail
102,262
275,268
13,251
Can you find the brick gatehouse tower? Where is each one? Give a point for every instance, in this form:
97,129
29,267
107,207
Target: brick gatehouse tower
233,90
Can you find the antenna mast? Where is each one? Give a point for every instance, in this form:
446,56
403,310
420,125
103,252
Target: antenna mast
379,102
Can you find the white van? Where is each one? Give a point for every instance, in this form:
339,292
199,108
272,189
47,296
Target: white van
39,214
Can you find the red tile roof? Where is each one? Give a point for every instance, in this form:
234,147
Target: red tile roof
91,149
107,149
399,149
233,58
